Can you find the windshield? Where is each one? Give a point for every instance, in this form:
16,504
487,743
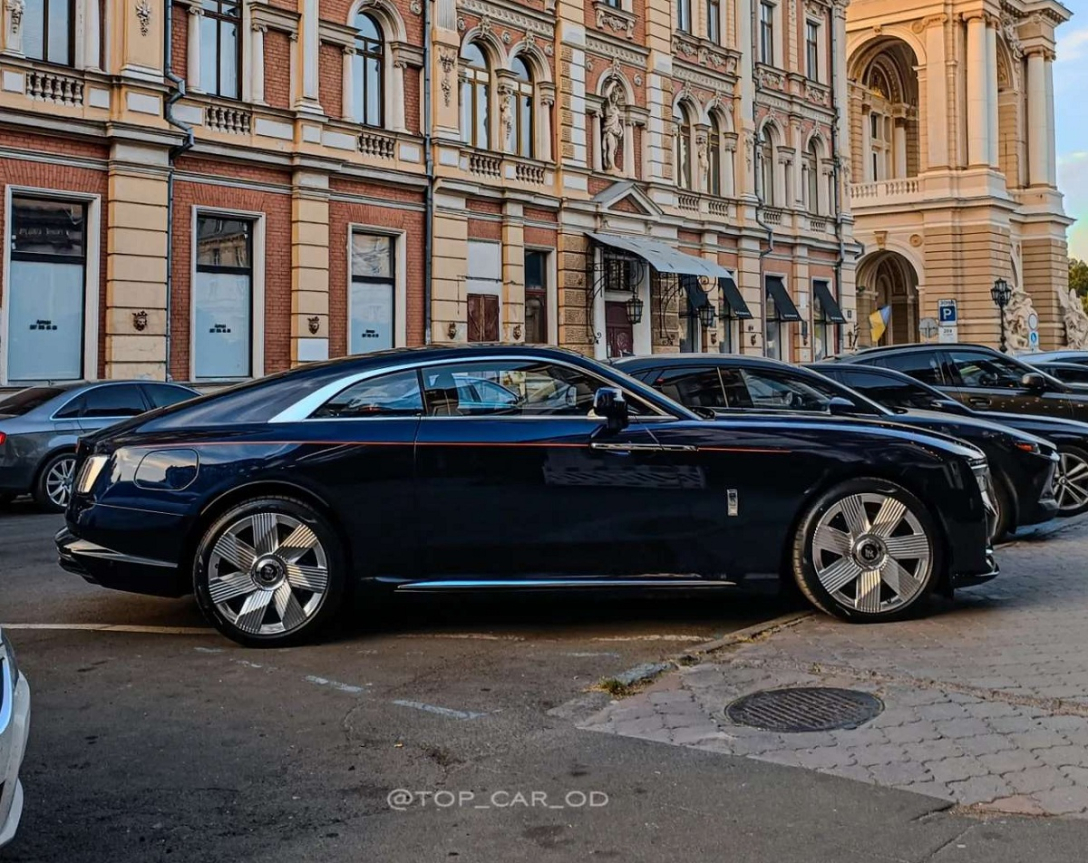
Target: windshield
24,401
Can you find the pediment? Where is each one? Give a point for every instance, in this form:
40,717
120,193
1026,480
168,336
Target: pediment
627,197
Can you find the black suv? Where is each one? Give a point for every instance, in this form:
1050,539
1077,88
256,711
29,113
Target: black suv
981,378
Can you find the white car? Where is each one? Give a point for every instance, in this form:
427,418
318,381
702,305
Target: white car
14,727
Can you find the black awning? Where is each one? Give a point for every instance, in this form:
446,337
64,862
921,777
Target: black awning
697,297
660,255
830,306
776,290
738,308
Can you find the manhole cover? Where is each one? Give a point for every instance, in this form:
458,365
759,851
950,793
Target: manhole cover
808,708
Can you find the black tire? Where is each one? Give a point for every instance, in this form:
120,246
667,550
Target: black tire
1003,523
839,603
46,493
1071,459
6,499
318,608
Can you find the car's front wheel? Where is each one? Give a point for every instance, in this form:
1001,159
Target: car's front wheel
867,550
270,572
1071,481
53,488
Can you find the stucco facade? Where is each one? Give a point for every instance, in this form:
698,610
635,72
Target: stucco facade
952,118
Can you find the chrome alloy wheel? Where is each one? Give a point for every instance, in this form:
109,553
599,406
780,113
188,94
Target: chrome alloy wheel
267,574
871,553
58,482
1071,482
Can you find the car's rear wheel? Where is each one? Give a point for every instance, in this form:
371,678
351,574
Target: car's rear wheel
270,572
867,550
53,488
1002,521
1071,481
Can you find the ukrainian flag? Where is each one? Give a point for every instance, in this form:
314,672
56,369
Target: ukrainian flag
878,323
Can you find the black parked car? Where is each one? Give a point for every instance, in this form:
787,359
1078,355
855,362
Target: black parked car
1074,374
896,390
1023,465
274,499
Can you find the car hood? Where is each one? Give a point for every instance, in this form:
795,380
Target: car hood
1037,422
955,424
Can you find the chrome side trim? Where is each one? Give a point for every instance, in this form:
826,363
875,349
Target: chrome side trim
552,583
83,548
301,410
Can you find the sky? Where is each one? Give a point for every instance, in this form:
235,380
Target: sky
1071,117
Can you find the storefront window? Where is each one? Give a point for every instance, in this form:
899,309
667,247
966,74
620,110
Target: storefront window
536,298
46,292
223,299
373,293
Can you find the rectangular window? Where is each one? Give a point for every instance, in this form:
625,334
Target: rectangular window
47,290
536,298
484,288
774,330
221,48
766,33
812,49
223,298
373,293
48,31
714,21
683,15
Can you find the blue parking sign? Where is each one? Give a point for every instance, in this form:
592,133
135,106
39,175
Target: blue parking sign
946,311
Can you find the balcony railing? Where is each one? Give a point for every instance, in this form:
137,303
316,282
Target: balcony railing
817,225
873,193
717,207
54,88
772,216
223,118
484,165
690,203
527,172
377,145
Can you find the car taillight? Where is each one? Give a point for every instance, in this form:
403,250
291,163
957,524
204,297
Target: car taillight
3,437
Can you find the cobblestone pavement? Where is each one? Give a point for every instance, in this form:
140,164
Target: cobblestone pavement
986,701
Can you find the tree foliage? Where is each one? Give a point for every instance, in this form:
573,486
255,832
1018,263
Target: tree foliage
1078,276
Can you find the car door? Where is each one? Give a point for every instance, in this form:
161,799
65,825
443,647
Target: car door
991,382
541,486
101,406
883,389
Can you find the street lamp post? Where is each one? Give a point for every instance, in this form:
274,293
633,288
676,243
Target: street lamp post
1001,293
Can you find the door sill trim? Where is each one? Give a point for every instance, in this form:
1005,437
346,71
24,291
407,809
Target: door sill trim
556,583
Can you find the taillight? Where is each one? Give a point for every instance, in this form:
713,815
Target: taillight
3,437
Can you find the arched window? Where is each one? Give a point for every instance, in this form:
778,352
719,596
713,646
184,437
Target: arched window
475,97
683,148
810,177
714,155
522,130
367,72
766,170
880,126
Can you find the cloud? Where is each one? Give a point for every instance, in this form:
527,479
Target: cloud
1072,46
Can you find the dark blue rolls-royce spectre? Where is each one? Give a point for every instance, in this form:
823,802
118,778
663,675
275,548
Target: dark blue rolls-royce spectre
474,467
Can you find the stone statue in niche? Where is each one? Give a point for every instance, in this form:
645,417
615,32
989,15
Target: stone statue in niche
702,154
1076,320
1017,312
506,116
612,127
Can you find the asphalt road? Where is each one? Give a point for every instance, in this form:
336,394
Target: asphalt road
175,744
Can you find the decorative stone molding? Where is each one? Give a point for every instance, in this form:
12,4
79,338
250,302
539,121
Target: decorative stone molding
613,127
15,13
929,21
143,13
1017,312
1075,319
769,79
615,19
448,60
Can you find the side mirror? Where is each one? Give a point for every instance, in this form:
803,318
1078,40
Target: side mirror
840,407
1033,381
609,404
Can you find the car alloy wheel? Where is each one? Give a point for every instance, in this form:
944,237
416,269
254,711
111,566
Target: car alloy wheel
54,488
1071,482
866,551
269,572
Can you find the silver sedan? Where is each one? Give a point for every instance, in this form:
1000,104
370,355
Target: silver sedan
39,427
14,728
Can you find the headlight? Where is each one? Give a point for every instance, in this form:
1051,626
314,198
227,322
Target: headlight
92,467
981,470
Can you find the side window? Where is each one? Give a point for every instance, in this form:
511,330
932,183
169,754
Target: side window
977,369
515,388
886,391
920,365
395,395
72,410
692,387
161,396
771,391
120,400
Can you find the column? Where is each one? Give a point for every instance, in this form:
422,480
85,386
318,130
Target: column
397,102
1051,152
595,131
978,145
838,21
136,261
993,158
1038,117
936,94
196,17
13,32
729,167
256,44
513,274
629,149
899,141
309,267
744,124
547,104
347,93
92,36
311,45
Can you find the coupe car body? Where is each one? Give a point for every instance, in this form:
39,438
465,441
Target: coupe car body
274,499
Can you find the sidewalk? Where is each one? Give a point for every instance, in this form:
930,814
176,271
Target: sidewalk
986,701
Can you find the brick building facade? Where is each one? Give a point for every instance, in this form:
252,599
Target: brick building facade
208,190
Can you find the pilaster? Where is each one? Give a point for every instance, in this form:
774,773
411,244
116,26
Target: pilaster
309,267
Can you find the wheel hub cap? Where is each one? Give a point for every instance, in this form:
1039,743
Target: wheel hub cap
870,552
269,571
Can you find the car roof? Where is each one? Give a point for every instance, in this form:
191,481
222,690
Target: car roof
706,359
913,346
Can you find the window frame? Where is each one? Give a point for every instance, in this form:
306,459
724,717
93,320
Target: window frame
256,287
72,28
379,375
683,16
767,13
685,169
714,21
82,395
524,94
473,80
813,36
543,293
363,52
222,20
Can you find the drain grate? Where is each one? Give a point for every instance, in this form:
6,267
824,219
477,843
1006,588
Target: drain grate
811,708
